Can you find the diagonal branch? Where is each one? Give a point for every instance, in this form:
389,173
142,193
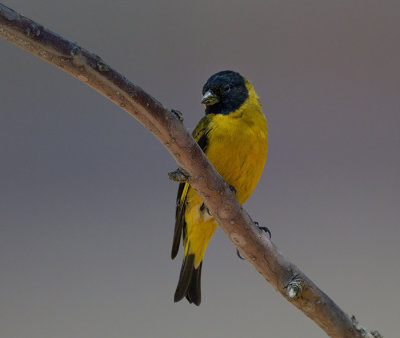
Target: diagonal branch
89,68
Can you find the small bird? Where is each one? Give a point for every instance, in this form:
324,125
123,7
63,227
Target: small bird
233,135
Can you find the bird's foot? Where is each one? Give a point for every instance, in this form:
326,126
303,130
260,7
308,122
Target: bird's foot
265,229
233,189
178,175
177,114
204,208
239,255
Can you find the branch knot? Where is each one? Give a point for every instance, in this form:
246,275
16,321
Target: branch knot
295,288
179,175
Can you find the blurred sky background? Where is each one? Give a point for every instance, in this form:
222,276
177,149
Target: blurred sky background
86,207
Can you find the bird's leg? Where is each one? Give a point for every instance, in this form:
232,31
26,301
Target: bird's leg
265,229
178,175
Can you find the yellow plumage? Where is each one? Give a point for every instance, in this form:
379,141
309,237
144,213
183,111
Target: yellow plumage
237,146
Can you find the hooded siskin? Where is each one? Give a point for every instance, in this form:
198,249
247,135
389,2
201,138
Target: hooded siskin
233,135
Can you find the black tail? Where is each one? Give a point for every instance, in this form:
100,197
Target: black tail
189,282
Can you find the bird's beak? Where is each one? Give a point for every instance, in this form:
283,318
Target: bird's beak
209,98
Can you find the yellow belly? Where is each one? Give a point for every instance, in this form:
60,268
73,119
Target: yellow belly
237,147
238,151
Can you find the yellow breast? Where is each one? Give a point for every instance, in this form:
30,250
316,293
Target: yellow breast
238,145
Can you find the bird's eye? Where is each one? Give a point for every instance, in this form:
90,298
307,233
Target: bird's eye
227,88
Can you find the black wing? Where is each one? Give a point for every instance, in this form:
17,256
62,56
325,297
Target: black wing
200,135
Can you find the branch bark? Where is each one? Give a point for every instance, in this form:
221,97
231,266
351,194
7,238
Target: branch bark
89,68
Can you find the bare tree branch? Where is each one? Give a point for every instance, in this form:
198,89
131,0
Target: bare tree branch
89,68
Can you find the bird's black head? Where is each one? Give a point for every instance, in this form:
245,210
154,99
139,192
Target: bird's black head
224,92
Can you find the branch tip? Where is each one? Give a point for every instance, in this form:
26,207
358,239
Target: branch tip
364,332
376,334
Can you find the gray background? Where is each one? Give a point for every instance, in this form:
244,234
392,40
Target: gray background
87,210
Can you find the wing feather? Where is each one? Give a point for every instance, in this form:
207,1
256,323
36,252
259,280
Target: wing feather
200,135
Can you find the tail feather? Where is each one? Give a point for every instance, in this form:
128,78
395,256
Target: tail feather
189,281
194,292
